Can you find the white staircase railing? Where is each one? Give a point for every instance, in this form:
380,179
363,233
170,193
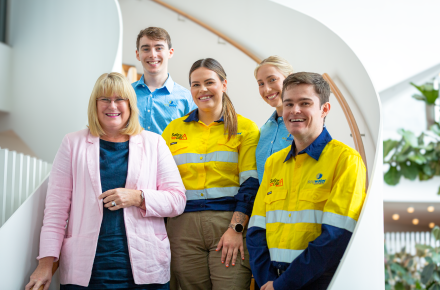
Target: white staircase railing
394,242
19,177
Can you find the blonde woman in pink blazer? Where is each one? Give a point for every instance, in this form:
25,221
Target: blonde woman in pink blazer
110,188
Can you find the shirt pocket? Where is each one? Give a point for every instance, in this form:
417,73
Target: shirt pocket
313,199
275,199
227,154
180,157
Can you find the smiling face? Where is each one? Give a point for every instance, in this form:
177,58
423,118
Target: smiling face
207,90
302,113
154,55
113,113
270,83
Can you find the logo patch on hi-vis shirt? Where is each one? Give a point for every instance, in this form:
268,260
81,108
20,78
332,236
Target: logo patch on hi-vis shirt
178,136
318,179
269,193
276,182
172,104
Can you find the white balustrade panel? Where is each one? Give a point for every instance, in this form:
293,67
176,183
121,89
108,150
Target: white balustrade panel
395,242
20,175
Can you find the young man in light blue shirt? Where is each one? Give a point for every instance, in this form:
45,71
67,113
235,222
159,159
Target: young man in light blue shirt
160,100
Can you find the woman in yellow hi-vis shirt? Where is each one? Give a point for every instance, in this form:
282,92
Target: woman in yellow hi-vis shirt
214,149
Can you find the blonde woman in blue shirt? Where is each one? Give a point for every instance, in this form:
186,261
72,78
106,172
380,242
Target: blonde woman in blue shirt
270,74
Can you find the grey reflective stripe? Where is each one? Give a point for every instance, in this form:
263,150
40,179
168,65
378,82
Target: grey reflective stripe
246,174
302,216
339,221
222,156
209,193
257,221
284,255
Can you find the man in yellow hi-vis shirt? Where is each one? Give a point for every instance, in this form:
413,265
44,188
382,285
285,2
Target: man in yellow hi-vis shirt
310,198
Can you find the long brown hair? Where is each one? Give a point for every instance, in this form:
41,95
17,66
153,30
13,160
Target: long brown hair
228,111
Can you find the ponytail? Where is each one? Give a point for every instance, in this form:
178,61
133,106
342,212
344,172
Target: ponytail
229,116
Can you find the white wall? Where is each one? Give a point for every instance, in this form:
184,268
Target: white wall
5,77
59,49
267,28
394,39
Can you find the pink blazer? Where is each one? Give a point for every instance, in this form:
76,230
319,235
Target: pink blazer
74,187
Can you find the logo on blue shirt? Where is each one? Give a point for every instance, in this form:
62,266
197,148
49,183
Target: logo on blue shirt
289,138
172,104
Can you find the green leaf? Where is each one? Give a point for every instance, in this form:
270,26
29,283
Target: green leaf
409,171
428,92
436,233
428,170
423,176
435,287
436,258
435,128
392,177
428,260
418,158
389,145
427,272
438,192
419,97
424,247
399,286
420,140
398,268
418,286
410,138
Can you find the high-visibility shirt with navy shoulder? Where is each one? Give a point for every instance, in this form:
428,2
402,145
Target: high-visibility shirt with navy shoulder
305,211
218,174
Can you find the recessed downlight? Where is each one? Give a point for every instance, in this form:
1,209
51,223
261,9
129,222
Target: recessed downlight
430,208
431,225
415,221
410,209
395,216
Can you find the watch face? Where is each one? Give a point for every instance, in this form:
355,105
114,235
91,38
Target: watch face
238,228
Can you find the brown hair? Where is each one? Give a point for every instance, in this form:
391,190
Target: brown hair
278,62
106,86
228,111
154,33
321,87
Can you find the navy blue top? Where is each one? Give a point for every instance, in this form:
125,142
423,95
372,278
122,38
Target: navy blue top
112,267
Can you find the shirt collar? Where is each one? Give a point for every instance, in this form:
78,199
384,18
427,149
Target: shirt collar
194,116
273,117
314,150
168,85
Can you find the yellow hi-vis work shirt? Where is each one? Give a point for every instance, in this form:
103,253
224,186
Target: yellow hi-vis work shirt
218,174
320,191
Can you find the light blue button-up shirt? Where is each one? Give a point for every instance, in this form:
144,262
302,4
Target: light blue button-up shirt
157,109
273,137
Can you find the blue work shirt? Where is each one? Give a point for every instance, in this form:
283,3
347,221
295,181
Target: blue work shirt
273,137
157,109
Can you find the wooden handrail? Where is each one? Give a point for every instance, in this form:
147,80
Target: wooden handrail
358,143
215,31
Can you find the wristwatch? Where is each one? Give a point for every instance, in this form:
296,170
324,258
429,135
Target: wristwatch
142,197
237,227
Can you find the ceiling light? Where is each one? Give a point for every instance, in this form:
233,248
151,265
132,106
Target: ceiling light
395,216
430,208
431,225
410,209
415,221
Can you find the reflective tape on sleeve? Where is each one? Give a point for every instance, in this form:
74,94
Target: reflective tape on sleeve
209,193
339,221
294,217
257,221
221,156
284,255
246,174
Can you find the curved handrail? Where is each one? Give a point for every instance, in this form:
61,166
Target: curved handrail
216,32
358,143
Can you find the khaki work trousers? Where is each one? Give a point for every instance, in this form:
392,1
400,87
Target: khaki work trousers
195,263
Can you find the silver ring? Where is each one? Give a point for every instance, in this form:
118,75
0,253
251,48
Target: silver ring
113,203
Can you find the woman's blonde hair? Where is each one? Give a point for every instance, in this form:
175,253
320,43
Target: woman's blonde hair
228,111
107,85
280,63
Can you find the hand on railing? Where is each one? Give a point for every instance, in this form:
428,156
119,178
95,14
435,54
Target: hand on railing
42,276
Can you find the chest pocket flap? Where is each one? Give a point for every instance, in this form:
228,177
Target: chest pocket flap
178,146
314,195
275,195
232,143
